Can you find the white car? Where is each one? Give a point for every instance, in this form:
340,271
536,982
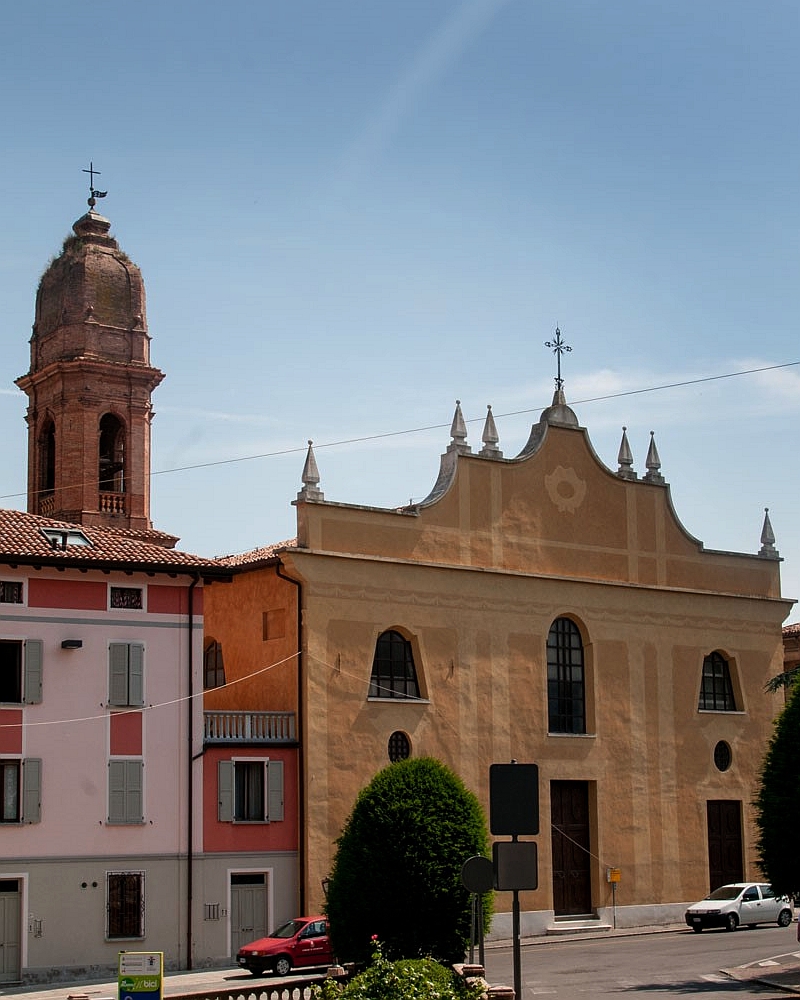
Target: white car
747,903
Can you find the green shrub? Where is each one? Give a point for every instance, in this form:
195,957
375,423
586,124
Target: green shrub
406,979
397,870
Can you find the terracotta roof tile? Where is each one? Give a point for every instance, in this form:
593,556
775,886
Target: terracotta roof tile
255,556
21,539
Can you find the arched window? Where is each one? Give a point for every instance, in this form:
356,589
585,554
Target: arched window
716,689
111,466
47,457
393,671
213,665
566,689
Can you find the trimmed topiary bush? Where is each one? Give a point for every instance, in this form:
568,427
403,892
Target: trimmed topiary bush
397,871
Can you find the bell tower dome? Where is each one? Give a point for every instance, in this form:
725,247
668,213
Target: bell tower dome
89,386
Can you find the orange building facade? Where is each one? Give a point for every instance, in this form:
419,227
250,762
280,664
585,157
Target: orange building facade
543,608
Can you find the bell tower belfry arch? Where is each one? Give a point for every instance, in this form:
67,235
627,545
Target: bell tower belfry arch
89,385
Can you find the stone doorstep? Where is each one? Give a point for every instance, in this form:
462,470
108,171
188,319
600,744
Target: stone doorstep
563,927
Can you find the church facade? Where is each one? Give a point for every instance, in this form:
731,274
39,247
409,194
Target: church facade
542,608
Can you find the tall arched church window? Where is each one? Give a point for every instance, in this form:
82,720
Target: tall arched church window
111,466
393,672
213,664
47,455
716,688
566,687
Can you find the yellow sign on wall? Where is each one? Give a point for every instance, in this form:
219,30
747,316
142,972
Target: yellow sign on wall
613,875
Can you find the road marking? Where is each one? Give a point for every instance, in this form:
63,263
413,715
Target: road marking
768,962
713,978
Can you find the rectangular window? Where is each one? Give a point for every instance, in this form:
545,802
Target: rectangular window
125,786
21,671
250,790
126,674
129,598
10,592
20,788
125,904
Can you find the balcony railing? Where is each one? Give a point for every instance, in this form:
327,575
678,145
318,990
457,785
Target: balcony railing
249,727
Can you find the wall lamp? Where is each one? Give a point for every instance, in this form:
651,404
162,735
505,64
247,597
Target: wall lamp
71,643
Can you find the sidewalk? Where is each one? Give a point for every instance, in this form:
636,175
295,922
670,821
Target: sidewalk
781,973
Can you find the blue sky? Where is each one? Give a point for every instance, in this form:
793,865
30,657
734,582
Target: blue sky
351,213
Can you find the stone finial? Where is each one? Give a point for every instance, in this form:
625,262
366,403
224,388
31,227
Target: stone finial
458,432
310,490
625,458
768,550
653,474
490,437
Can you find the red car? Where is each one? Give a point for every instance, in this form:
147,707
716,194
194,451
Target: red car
300,943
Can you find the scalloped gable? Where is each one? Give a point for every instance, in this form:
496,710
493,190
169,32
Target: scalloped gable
555,510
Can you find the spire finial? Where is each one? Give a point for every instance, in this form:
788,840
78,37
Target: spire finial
458,432
94,194
310,490
559,347
768,549
490,437
653,463
625,458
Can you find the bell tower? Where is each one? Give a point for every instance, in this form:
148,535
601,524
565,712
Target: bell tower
89,386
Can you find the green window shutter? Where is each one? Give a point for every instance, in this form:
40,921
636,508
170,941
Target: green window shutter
116,791
118,673
134,800
33,671
225,791
275,789
31,790
125,800
135,674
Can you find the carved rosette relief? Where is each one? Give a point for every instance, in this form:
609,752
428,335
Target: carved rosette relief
566,489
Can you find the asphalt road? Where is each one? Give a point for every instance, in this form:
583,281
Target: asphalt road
668,964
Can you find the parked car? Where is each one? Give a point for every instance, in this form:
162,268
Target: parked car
299,943
747,903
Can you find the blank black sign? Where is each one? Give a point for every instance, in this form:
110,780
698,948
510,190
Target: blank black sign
514,799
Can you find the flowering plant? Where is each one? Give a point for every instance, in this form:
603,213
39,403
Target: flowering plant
405,979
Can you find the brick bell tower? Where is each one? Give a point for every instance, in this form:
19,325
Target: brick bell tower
89,386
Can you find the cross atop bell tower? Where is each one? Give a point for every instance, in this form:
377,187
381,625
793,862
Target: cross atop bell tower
89,385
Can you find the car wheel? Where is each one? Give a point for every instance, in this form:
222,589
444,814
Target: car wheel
731,922
697,928
282,966
784,918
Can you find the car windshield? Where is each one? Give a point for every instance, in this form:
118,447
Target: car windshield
289,929
725,892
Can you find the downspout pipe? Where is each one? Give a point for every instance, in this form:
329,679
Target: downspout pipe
190,791
301,783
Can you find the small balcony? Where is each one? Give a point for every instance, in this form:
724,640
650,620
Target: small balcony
249,727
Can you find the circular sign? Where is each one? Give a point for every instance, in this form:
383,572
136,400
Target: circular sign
477,874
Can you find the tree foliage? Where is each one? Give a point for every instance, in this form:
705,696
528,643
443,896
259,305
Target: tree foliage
397,871
778,802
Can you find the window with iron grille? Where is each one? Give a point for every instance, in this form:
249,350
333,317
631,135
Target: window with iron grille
10,592
125,904
127,597
399,747
716,689
393,672
566,695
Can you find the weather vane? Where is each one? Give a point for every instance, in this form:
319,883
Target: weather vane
94,194
559,348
